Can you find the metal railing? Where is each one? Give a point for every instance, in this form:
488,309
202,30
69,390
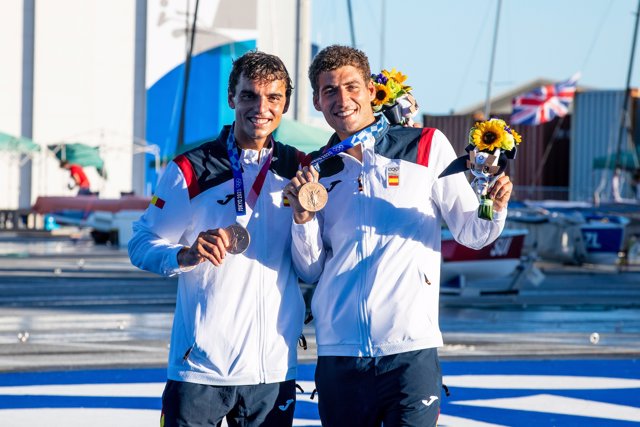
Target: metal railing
19,219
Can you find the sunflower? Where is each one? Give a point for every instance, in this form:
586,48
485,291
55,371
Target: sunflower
395,75
489,135
383,95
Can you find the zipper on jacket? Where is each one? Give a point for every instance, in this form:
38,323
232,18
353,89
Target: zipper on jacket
261,328
361,327
260,305
367,212
362,286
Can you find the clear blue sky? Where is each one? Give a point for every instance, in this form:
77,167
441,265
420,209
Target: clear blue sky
444,46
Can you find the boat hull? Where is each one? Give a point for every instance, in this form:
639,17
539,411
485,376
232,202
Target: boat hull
498,259
571,236
603,242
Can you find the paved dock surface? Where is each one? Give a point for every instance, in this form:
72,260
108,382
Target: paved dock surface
77,314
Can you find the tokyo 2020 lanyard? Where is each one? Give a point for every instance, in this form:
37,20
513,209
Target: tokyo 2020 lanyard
238,182
357,138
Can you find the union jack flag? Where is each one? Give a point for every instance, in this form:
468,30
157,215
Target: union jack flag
544,103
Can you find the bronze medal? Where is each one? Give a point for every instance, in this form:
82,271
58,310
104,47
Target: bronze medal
239,239
312,196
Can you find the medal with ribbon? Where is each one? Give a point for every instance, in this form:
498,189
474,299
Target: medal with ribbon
239,237
312,195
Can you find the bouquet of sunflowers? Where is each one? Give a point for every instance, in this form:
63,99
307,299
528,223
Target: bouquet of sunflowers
393,98
491,144
493,134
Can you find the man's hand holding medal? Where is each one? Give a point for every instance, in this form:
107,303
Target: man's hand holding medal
213,245
306,195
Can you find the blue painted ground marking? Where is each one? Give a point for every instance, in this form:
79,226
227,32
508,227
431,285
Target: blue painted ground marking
511,393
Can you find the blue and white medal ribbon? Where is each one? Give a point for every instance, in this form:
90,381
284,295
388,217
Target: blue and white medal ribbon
239,237
357,138
236,169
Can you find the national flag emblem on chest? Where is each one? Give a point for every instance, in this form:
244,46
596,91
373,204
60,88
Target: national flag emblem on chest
393,175
157,202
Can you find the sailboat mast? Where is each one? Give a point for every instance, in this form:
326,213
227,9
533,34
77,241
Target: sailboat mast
351,24
138,163
625,105
303,55
185,87
26,123
383,32
487,102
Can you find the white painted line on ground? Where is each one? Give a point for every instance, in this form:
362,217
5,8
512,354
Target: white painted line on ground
549,403
305,422
80,417
451,421
539,382
102,390
307,386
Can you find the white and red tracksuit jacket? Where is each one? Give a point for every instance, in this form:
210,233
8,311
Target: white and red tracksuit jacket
375,247
237,324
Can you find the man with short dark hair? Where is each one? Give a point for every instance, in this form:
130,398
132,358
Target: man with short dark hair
219,221
375,249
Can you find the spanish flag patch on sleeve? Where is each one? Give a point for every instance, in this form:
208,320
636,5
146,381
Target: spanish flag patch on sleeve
157,202
285,201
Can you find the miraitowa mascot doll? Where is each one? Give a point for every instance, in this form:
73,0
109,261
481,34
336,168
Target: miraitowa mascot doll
491,144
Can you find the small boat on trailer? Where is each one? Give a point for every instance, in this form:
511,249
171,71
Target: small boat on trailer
570,232
496,268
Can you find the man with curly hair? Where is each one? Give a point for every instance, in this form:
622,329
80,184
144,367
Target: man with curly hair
375,251
238,314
